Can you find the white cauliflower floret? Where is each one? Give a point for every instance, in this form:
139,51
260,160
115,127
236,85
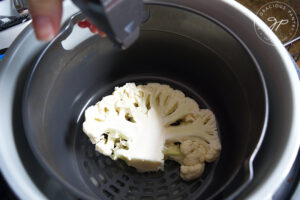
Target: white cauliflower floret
191,172
146,124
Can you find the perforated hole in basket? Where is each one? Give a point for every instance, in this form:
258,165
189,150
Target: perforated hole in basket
114,180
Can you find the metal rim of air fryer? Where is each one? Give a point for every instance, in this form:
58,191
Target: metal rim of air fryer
24,187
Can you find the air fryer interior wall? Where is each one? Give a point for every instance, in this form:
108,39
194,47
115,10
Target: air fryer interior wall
182,49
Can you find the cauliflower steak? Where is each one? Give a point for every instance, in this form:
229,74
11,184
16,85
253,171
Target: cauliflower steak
146,124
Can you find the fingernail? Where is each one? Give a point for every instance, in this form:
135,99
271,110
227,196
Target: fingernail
43,28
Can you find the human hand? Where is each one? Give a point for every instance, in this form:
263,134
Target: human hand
46,18
87,24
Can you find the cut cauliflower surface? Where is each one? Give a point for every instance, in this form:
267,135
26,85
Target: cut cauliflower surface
146,124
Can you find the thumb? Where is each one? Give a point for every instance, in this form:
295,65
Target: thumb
46,16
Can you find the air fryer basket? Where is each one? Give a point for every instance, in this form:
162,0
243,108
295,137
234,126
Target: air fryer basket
177,47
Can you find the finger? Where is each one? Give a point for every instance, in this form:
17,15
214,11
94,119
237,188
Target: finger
86,23
93,28
83,24
46,17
